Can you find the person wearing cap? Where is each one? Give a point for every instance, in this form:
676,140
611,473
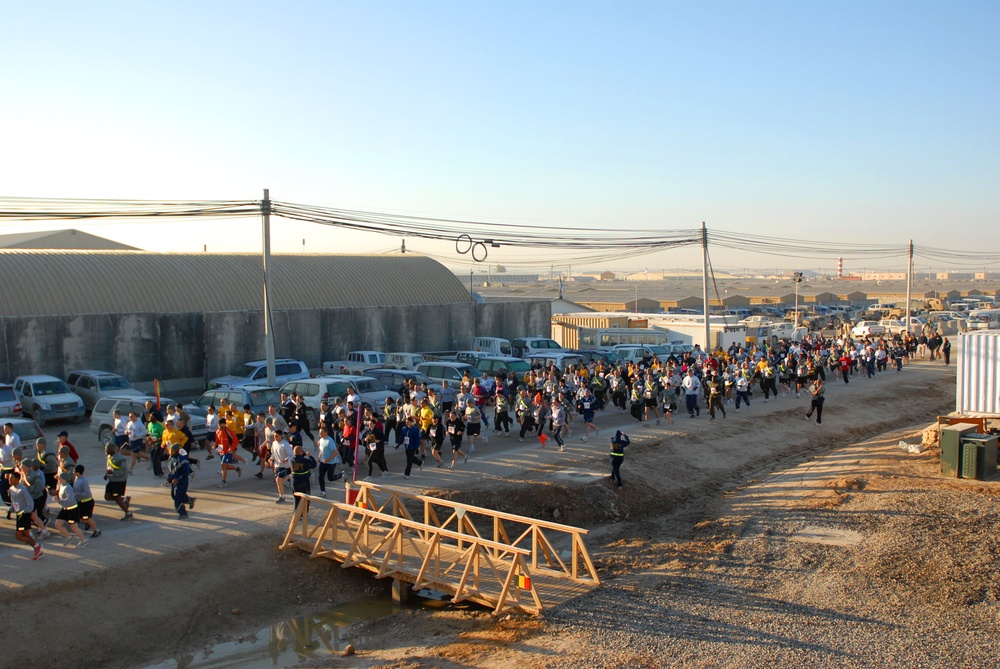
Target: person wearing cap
302,463
179,476
66,462
47,463
85,499
69,513
116,475
63,438
249,441
618,444
34,481
23,507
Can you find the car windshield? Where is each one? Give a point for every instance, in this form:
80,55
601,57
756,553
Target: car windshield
7,395
264,397
27,431
114,383
518,366
50,388
420,378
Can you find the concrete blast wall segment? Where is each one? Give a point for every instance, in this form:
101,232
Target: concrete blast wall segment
194,345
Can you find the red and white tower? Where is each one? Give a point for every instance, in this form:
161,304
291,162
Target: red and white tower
840,268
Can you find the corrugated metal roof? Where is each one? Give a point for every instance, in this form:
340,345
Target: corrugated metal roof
44,283
68,238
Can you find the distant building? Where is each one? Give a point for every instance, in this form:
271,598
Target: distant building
883,276
61,239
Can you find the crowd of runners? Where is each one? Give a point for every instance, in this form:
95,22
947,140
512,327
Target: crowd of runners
440,428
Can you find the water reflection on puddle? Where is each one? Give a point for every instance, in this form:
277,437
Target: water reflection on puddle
290,642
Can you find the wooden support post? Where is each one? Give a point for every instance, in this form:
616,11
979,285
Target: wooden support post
400,591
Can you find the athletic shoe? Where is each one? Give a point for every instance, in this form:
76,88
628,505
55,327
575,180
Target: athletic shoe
486,440
44,534
466,460
165,484
258,475
472,448
83,544
598,431
368,479
451,469
191,501
321,493
406,476
520,440
239,472
440,465
279,500
222,484
95,534
128,516
38,552
583,439
384,474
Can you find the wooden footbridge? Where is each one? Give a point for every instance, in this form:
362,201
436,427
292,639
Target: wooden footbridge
500,560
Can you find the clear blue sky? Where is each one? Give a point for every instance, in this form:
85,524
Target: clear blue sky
859,121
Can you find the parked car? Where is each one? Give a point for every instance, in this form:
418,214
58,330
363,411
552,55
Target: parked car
334,388
91,385
10,405
255,373
258,397
867,329
46,398
452,372
102,418
393,379
401,361
527,345
561,359
494,365
893,326
593,355
27,430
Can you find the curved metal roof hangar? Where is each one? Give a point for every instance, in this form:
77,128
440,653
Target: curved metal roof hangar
60,282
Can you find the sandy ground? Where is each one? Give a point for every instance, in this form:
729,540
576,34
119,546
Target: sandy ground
699,494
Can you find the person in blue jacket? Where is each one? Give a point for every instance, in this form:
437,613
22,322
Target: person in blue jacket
618,444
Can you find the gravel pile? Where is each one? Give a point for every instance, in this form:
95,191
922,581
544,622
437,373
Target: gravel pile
921,590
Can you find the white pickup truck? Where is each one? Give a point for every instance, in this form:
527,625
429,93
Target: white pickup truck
357,362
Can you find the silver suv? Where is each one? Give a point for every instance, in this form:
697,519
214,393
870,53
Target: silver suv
47,398
91,385
102,419
255,373
334,387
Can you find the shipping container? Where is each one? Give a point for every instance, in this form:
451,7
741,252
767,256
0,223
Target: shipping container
978,382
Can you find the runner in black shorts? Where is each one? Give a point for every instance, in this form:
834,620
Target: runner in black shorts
456,427
69,514
436,434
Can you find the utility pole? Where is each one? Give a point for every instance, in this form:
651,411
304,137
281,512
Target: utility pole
265,207
704,285
797,276
909,286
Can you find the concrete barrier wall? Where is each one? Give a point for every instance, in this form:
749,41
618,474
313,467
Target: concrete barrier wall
201,346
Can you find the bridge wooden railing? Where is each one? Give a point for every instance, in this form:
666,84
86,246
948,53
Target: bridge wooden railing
539,536
517,569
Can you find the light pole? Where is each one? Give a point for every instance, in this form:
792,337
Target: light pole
798,279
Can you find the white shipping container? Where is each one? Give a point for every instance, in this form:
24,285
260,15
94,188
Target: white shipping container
978,383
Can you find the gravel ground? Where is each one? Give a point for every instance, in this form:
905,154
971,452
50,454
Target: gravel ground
920,590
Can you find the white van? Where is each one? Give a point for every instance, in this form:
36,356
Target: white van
403,360
493,346
527,345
